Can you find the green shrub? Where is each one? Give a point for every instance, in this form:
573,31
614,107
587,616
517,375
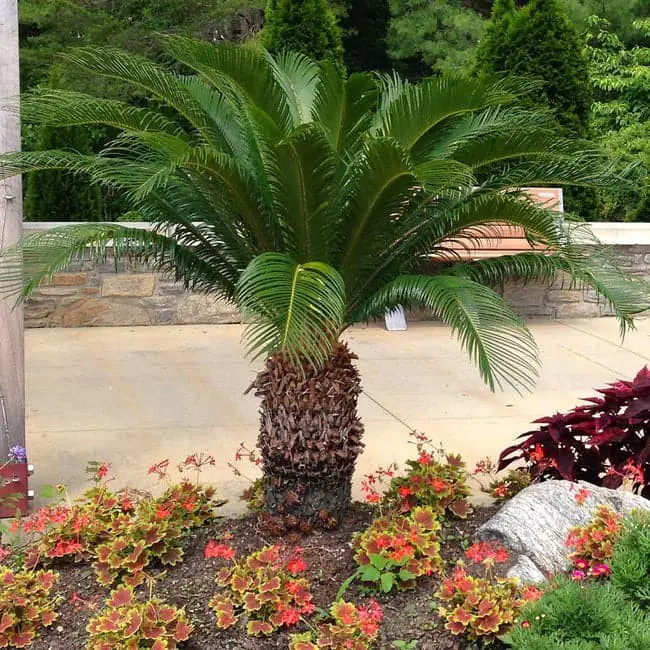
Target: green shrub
630,561
492,52
539,41
57,196
306,26
581,616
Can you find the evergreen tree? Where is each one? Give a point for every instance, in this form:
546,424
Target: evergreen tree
306,26
57,196
541,42
492,52
365,29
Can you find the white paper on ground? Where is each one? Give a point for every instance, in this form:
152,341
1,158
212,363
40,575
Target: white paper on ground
396,319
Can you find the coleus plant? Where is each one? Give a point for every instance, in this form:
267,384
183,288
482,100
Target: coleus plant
397,549
604,442
350,626
72,531
155,533
130,624
263,587
500,488
483,607
435,479
26,603
120,532
592,545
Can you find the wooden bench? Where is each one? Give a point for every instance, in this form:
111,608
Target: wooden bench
503,239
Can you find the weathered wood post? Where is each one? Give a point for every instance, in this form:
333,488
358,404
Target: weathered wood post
12,349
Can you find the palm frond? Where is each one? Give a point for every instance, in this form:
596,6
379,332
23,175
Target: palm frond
590,266
495,338
40,255
51,107
140,72
440,175
303,193
293,309
298,77
376,191
238,72
344,107
417,110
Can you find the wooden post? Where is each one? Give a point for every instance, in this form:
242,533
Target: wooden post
12,347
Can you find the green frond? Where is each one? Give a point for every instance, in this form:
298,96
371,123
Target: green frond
298,77
582,267
303,193
376,191
417,110
474,127
440,175
241,73
40,255
293,309
52,107
496,339
344,107
140,72
24,162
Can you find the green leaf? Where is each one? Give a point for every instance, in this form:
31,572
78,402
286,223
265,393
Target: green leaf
406,575
370,574
494,336
387,582
294,309
378,561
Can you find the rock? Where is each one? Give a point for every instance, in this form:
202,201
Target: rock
198,308
130,286
535,523
526,571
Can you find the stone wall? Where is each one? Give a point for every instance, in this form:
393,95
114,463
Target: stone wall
88,295
561,301
110,295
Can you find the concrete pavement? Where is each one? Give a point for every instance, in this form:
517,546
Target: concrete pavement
134,396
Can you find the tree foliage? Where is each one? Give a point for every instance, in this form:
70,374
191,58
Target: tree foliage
621,110
540,42
365,31
493,52
305,26
433,36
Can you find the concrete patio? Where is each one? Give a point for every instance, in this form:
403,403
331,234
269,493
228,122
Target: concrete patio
134,396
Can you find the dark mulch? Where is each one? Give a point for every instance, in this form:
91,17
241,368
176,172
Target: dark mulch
407,615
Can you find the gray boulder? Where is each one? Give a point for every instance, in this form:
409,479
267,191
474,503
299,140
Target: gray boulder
535,523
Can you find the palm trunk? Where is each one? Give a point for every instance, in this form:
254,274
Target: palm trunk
310,436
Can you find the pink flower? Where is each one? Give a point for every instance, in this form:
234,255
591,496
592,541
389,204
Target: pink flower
578,575
600,570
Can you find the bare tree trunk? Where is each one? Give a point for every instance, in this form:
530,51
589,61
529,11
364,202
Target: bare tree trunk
12,363
310,436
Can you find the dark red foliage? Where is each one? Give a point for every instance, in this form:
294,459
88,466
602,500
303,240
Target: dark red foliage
602,442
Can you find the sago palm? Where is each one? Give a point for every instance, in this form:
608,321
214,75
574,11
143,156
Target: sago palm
314,201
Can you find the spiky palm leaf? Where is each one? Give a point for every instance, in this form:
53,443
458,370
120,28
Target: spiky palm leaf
312,199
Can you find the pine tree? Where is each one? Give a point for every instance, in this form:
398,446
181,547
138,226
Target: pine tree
539,41
365,30
542,43
306,26
492,52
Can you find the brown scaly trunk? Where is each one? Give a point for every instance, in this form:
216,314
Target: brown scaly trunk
310,435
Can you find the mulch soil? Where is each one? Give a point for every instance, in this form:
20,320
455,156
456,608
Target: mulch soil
408,616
